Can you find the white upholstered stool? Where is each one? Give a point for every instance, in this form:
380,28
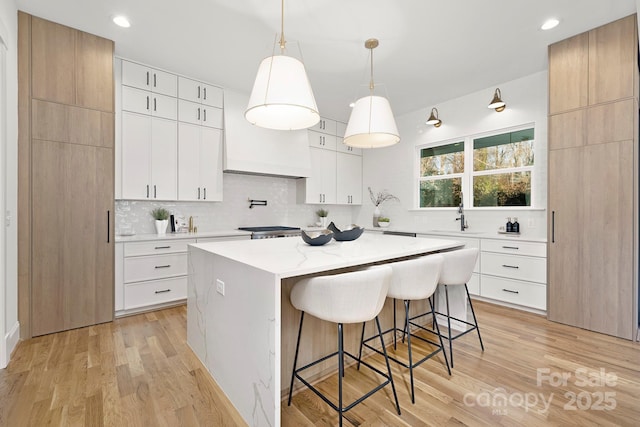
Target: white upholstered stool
413,280
343,298
456,271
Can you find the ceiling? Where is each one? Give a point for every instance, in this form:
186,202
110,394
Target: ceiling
430,51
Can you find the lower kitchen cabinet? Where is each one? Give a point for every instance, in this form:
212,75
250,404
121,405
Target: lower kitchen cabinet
153,274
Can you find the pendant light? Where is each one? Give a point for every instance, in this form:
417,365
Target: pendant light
282,97
371,124
497,103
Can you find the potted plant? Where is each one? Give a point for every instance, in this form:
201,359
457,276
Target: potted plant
322,214
383,221
161,215
377,199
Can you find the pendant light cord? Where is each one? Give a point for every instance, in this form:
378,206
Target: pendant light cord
282,41
371,85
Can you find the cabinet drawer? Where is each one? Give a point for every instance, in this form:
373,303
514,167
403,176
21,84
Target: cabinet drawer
522,293
516,248
321,140
156,292
154,267
514,267
474,284
157,247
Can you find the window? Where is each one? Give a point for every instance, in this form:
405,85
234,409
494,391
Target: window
441,172
498,171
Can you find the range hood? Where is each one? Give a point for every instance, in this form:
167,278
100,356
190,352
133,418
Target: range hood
254,150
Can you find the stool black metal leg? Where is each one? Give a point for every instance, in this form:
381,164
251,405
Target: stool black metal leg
446,295
435,323
386,359
474,316
394,325
295,359
340,370
361,344
406,324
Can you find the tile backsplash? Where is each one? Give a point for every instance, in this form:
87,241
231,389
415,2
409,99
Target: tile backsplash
233,212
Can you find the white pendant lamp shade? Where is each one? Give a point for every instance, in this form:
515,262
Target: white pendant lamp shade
282,97
371,124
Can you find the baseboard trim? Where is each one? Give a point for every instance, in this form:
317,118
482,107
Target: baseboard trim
11,341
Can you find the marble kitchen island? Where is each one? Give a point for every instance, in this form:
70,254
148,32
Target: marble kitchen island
240,323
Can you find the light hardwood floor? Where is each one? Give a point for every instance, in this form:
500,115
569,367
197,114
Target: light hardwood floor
138,371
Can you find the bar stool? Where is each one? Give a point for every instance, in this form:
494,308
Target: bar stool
456,271
413,280
352,297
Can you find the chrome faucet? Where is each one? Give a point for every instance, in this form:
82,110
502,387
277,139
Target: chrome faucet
463,224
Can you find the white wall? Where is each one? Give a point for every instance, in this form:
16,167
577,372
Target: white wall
393,168
9,329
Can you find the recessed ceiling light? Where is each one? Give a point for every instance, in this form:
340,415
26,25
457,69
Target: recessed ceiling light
352,104
121,21
549,24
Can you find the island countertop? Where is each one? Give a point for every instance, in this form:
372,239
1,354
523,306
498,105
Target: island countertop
291,256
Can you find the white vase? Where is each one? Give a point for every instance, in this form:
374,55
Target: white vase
324,221
161,226
376,215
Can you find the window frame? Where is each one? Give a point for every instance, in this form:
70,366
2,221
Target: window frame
469,174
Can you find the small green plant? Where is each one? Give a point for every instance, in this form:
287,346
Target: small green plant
160,214
383,219
322,213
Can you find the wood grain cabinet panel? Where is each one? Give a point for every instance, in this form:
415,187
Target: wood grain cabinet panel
611,122
567,130
53,61
568,74
94,72
613,54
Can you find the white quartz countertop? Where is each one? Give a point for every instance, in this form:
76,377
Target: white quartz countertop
467,233
291,256
172,236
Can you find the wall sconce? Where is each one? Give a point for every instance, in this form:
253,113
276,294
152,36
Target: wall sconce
433,118
497,103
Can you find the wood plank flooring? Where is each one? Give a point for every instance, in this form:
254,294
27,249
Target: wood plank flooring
138,371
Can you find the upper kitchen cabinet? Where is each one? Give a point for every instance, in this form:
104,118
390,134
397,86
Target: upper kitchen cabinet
145,102
594,67
150,79
327,126
199,163
199,92
71,67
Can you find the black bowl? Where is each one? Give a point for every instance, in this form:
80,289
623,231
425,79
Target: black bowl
316,238
351,233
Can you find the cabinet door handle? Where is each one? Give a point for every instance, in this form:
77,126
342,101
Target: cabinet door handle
510,291
204,90
320,197
510,266
163,291
198,113
204,114
147,191
108,226
154,104
205,193
154,79
155,196
147,78
510,247
198,193
553,226
198,92
163,247
147,102
163,266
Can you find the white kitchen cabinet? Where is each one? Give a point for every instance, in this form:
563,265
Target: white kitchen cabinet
147,78
149,150
322,140
348,179
153,274
145,102
198,114
336,170
341,129
199,92
514,272
199,163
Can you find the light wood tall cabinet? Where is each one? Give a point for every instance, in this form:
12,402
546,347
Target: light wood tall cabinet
593,180
66,198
